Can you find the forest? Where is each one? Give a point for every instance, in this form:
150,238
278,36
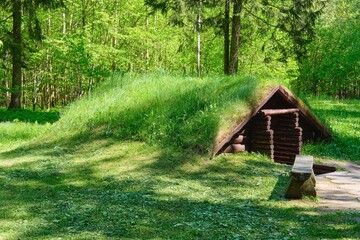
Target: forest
111,113
53,52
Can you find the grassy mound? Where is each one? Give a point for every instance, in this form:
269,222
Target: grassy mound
179,112
94,175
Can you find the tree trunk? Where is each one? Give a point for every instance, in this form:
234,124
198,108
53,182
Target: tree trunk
235,37
16,52
199,26
226,36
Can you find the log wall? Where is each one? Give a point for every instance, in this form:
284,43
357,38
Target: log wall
276,132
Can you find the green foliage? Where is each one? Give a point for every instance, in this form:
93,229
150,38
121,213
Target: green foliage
333,66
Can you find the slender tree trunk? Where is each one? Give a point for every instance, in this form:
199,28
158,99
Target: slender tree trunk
16,52
64,23
226,36
199,26
235,37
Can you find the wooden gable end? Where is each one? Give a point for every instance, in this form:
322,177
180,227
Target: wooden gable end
277,127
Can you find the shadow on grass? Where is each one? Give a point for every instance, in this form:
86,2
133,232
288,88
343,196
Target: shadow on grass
61,194
80,205
346,141
24,115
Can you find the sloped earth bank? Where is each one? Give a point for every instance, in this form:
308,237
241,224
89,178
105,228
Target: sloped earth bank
340,190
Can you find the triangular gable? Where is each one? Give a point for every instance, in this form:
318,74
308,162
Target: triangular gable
280,97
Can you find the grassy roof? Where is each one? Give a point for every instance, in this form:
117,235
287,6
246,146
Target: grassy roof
173,111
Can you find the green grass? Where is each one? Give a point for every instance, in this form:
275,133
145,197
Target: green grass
104,189
24,115
17,126
131,162
172,111
343,117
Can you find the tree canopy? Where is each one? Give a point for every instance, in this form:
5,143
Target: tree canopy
55,51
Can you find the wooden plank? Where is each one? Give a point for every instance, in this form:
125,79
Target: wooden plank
303,167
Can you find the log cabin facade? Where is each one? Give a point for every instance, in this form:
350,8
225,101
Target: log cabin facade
277,127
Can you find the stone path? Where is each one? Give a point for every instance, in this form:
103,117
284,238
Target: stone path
340,190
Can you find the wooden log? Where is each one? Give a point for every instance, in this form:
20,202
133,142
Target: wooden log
287,143
323,168
238,139
267,112
261,137
238,148
261,132
262,141
287,138
261,127
235,148
284,157
282,133
286,149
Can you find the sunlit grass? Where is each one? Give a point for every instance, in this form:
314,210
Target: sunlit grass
15,133
105,189
123,164
343,117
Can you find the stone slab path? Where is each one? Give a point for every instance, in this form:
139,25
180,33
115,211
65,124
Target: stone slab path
340,190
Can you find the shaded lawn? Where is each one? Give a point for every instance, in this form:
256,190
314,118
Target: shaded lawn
343,117
25,115
101,189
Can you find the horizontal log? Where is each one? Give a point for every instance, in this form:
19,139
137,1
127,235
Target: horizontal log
323,168
267,112
238,139
282,153
289,144
262,141
287,134
287,139
261,132
234,148
285,125
284,158
262,145
261,137
238,147
286,152
260,127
